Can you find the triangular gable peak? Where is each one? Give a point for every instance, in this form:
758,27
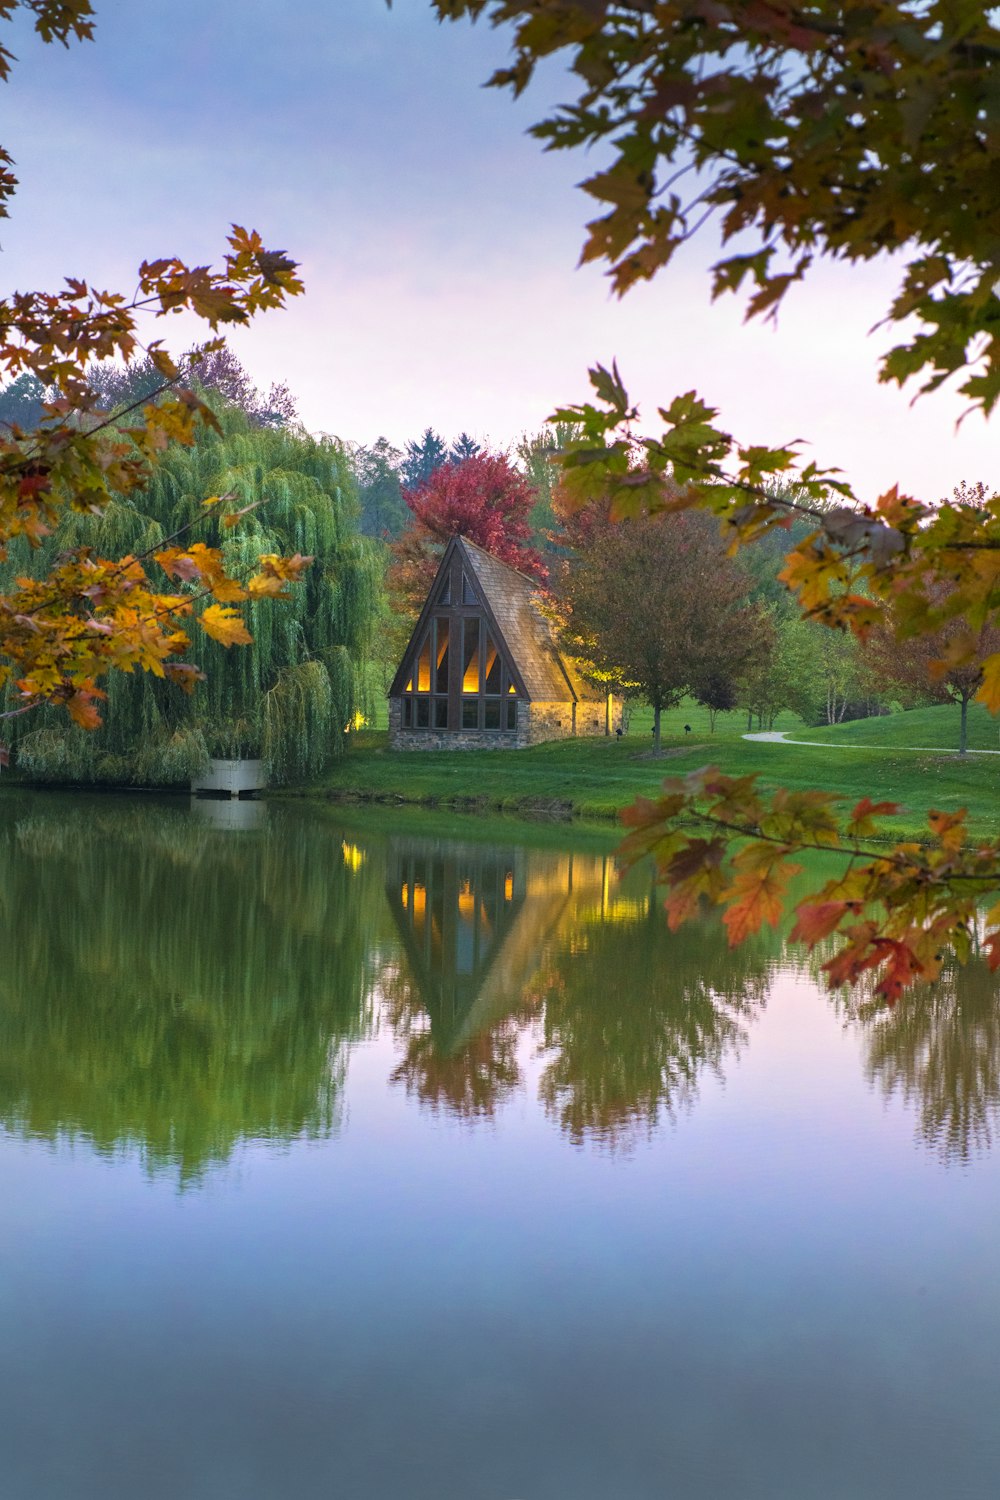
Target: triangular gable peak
456,594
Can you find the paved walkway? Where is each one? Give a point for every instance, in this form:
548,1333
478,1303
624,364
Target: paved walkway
780,737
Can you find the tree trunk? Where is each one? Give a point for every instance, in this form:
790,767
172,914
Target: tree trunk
749,720
656,729
963,733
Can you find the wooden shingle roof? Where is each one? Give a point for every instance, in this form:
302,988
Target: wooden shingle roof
514,600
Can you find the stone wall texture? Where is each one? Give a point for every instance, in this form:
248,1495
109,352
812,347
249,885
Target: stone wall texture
536,723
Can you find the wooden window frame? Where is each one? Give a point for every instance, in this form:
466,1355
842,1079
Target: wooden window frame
455,618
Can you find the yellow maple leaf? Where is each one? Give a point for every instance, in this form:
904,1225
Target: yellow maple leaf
225,626
989,692
265,586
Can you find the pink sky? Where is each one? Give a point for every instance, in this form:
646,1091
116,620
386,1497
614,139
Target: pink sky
438,243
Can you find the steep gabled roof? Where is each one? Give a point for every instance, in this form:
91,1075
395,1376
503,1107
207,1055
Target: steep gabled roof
512,603
513,600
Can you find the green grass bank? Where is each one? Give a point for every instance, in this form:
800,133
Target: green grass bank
594,779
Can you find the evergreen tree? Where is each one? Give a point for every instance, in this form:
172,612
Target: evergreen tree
423,459
464,447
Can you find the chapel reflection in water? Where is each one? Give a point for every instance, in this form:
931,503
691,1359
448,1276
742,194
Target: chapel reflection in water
511,946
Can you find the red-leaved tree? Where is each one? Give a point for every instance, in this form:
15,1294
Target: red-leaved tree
483,498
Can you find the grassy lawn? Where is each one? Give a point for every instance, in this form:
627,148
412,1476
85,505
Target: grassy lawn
595,778
920,726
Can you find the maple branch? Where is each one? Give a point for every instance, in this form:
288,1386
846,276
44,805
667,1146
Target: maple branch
850,851
13,713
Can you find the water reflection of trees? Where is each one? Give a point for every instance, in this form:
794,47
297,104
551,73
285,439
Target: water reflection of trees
174,988
633,1015
938,1049
502,942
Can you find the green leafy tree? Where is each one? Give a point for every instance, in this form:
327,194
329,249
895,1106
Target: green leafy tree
655,604
218,371
22,402
785,675
537,453
380,494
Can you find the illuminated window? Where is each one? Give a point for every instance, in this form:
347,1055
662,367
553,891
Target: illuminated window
473,692
422,681
470,658
441,657
491,676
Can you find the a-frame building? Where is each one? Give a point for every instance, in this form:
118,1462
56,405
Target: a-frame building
483,668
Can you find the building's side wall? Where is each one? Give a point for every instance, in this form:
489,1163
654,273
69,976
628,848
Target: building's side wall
592,716
536,723
548,721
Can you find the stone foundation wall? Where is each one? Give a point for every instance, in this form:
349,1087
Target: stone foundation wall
536,723
451,739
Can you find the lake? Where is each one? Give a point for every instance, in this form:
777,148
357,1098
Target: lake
348,1155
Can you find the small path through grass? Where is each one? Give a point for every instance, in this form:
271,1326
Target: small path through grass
781,737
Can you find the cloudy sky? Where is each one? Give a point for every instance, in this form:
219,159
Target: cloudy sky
438,243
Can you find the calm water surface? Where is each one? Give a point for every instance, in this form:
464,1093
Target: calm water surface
338,1161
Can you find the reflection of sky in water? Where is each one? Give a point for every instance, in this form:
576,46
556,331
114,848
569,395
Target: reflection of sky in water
771,1293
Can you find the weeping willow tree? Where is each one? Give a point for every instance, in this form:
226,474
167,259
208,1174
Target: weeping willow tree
289,697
